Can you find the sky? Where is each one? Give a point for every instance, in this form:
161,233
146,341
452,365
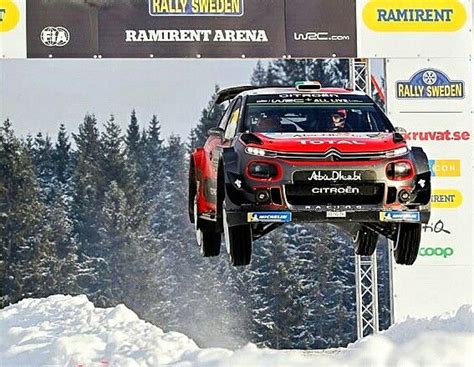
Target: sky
39,95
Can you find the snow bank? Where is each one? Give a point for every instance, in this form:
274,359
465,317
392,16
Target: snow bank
70,331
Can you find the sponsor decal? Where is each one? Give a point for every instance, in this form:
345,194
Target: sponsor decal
333,142
336,214
320,36
335,176
446,135
335,190
430,84
399,216
269,217
196,7
196,35
55,36
445,167
446,198
436,251
414,15
435,227
9,15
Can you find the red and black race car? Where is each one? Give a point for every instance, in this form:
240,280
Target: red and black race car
306,154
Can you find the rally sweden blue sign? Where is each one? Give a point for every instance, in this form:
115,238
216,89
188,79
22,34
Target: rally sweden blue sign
430,84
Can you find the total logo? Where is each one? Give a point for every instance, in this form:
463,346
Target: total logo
55,36
9,15
446,198
443,252
430,84
445,167
414,15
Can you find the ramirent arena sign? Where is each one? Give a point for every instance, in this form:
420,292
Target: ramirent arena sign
414,15
195,35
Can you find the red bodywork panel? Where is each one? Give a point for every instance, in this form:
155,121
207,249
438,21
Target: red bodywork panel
320,143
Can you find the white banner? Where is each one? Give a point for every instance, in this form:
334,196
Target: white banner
432,100
414,28
13,29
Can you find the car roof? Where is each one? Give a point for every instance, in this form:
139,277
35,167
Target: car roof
249,90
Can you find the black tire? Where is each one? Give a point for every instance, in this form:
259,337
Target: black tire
407,244
239,244
365,242
238,239
209,243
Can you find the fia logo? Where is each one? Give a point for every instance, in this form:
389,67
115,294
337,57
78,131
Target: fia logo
55,36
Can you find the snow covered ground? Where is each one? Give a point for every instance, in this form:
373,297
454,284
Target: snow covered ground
70,331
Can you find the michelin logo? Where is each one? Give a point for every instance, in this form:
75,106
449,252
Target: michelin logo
269,217
430,84
398,216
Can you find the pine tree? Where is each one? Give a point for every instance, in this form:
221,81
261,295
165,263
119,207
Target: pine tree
62,156
21,215
210,117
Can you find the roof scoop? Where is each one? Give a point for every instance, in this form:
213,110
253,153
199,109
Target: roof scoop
307,86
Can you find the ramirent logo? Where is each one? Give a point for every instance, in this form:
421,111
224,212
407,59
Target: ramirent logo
446,198
436,251
2,12
269,217
414,15
9,15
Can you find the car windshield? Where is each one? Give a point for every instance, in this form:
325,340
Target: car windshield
314,114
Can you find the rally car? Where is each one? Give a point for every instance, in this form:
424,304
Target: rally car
306,154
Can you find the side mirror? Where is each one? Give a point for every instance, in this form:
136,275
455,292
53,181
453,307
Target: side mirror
400,130
216,131
399,134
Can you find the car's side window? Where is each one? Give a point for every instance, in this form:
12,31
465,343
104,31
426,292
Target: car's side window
233,121
225,117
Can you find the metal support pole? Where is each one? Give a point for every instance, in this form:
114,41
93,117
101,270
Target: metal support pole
367,300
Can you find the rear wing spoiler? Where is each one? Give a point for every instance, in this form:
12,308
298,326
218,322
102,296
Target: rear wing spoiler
229,93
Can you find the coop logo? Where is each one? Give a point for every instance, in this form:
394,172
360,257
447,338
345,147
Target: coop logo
414,15
445,167
9,15
430,84
446,198
55,36
319,36
443,252
196,7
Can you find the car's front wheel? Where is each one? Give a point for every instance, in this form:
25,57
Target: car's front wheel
407,243
208,240
365,242
238,242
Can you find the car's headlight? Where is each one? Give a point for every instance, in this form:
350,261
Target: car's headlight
259,152
396,152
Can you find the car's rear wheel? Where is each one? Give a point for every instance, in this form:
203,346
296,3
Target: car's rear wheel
238,242
365,242
407,243
208,240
